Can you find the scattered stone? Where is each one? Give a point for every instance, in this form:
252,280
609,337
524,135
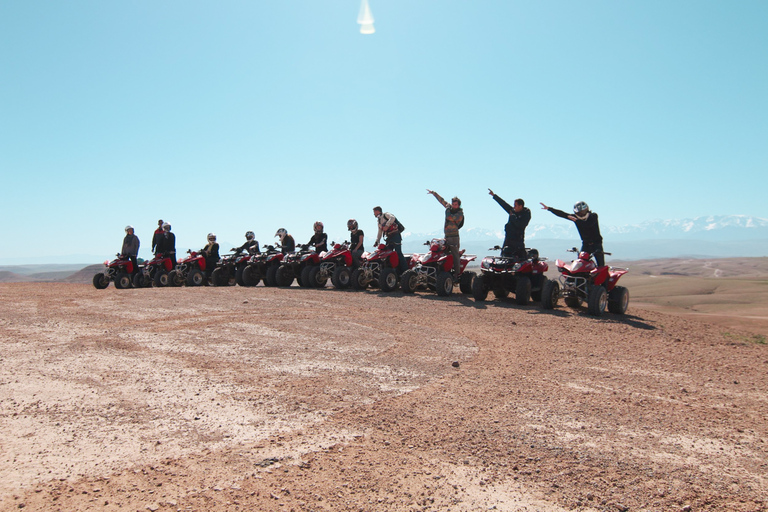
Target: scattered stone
455,364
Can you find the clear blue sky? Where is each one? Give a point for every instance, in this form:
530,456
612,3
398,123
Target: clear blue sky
256,114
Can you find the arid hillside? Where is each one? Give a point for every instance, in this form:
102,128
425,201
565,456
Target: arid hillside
293,399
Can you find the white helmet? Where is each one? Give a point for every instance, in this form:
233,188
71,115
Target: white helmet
128,227
281,233
166,226
351,224
211,237
318,226
249,235
580,207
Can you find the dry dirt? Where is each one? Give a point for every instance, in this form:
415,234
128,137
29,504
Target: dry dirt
214,399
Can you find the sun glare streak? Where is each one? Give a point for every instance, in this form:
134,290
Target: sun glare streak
365,18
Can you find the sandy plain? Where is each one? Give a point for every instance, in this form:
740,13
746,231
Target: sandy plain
291,399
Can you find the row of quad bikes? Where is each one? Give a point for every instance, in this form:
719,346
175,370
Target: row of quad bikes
581,281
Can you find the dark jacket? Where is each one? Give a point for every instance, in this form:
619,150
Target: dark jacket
156,238
288,244
319,241
166,244
515,227
211,255
589,229
130,246
252,246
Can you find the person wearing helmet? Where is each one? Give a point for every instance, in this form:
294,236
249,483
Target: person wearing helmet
287,243
251,244
319,239
454,220
392,230
158,234
166,244
356,237
211,254
588,226
131,247
514,230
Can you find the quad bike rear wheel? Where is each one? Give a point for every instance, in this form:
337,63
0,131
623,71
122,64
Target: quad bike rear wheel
550,293
387,279
239,275
359,282
175,278
138,280
500,292
444,283
219,277
270,278
409,280
479,289
161,279
249,276
100,281
618,300
283,276
123,281
465,282
341,278
597,301
304,279
523,290
316,278
195,277
572,302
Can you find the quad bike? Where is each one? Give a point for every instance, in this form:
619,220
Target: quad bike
229,269
335,265
504,274
118,270
154,271
433,270
378,268
263,266
296,265
190,270
582,280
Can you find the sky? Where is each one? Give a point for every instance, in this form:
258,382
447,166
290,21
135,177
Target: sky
254,115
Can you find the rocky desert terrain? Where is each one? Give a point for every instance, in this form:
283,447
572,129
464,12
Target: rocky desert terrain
222,399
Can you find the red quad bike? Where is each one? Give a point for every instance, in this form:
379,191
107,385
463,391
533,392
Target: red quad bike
378,268
229,269
118,270
154,271
263,266
433,270
190,270
296,265
505,274
335,264
582,280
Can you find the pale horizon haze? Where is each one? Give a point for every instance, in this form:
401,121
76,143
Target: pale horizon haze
254,115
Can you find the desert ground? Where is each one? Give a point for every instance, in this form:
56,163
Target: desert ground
219,399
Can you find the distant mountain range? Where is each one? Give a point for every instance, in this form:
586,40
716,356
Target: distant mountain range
716,236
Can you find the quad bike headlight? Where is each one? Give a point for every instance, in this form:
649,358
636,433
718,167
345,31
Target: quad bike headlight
486,263
516,267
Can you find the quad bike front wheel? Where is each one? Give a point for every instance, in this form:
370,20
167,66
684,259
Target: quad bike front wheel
597,301
409,280
100,281
466,280
550,293
283,276
316,278
122,281
249,277
195,277
270,278
387,279
341,278
239,274
479,289
618,300
523,290
444,283
161,279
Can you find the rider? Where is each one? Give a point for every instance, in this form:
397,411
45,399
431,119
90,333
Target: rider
251,244
131,248
287,243
391,228
355,241
158,234
166,244
519,217
320,239
589,229
210,253
454,220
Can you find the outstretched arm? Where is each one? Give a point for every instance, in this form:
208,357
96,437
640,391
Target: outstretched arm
557,212
439,199
502,203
